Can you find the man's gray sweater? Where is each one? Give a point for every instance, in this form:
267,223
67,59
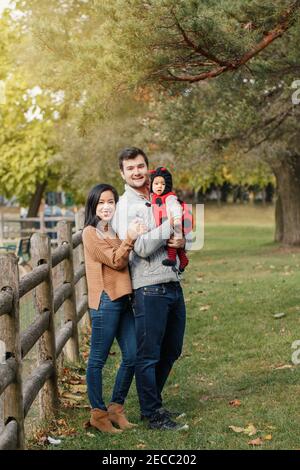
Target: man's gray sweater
145,261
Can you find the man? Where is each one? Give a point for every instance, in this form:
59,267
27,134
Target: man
158,301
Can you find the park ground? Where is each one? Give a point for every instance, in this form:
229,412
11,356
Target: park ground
235,379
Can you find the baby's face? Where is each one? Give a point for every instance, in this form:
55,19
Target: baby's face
158,185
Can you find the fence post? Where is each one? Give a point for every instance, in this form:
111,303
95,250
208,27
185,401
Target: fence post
1,228
41,254
42,221
64,236
10,335
82,284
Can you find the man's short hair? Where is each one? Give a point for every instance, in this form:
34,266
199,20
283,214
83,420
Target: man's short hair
129,154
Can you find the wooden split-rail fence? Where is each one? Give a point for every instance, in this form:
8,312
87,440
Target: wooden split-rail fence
17,396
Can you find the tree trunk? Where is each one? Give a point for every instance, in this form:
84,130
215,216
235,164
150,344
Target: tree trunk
287,212
36,199
279,230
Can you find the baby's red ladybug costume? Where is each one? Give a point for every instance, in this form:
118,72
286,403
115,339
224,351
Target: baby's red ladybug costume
160,214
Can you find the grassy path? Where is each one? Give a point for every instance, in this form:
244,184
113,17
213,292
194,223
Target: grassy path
235,351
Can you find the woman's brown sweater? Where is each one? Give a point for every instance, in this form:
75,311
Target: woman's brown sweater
106,264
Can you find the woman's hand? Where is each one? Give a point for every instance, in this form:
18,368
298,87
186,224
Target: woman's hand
135,229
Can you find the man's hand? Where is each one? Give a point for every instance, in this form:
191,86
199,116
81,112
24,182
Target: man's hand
176,242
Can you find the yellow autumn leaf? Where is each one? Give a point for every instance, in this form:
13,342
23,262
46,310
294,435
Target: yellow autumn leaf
236,429
250,430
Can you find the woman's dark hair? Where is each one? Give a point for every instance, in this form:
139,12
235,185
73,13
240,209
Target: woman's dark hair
92,201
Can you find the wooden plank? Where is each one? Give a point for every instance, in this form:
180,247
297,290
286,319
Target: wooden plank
70,313
32,334
35,383
7,374
44,302
10,335
82,282
63,335
9,436
61,295
33,279
6,301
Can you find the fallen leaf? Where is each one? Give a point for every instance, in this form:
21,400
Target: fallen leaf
236,429
141,446
285,366
279,315
256,442
204,308
66,432
72,397
235,403
61,422
90,434
76,381
81,388
268,437
250,430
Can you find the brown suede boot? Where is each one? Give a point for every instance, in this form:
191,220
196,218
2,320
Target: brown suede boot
117,416
99,419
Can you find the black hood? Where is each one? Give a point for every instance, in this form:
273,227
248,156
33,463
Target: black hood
162,171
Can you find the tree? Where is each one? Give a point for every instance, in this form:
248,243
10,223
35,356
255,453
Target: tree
98,51
26,117
247,126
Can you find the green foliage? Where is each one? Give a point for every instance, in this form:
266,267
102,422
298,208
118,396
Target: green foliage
26,128
105,55
25,150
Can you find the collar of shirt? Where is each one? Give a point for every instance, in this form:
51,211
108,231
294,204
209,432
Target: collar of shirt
141,196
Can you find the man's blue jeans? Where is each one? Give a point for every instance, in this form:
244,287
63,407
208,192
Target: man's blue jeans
160,314
113,319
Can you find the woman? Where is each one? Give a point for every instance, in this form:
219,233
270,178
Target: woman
109,287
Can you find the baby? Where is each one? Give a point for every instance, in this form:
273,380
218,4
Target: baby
166,206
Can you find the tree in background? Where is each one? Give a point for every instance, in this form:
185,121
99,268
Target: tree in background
101,52
27,119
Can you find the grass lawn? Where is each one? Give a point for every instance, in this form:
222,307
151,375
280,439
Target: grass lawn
235,350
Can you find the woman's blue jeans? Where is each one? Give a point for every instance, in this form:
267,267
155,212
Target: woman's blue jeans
113,319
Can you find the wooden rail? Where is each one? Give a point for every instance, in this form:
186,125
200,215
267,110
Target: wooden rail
18,396
12,227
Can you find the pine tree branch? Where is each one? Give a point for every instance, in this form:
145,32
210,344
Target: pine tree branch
286,20
197,48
